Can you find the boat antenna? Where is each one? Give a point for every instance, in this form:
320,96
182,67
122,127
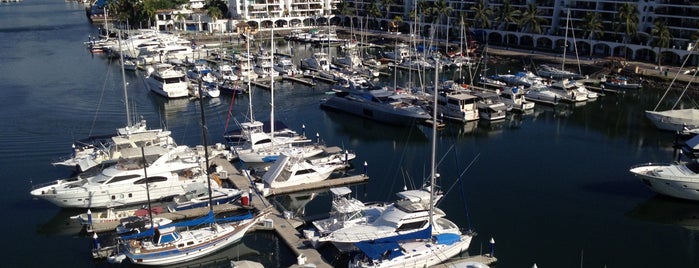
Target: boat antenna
206,148
123,82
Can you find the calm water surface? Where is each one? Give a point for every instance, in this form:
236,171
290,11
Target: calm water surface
551,187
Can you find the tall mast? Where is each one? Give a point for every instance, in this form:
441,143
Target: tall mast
206,148
433,173
247,43
123,82
565,41
271,88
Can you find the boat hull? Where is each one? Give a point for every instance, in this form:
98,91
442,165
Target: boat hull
665,179
674,120
374,112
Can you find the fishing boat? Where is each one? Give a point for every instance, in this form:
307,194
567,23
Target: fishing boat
345,212
619,82
514,99
458,105
198,196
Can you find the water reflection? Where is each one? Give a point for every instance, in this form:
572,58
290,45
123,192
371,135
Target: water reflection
667,210
368,130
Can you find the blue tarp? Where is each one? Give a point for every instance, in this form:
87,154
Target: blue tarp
377,251
388,247
447,239
209,218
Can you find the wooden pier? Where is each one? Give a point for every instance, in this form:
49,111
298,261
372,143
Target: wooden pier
284,227
299,80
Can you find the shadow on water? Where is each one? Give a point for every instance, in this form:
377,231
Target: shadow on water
667,210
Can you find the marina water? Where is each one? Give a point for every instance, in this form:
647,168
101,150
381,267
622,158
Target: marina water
551,187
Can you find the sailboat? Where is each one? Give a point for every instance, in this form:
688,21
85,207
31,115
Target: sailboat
555,73
167,245
265,147
95,150
676,119
416,249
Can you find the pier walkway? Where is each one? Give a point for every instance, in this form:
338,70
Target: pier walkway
283,226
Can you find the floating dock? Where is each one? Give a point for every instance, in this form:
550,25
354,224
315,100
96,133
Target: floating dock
299,80
283,226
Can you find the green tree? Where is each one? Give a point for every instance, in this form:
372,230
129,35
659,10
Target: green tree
662,37
222,7
592,27
386,6
396,23
482,15
374,12
437,11
627,22
506,14
530,19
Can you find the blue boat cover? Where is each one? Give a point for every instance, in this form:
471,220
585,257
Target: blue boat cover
388,247
447,239
377,251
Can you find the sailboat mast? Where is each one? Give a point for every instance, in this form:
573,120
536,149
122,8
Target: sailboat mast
247,73
271,88
433,173
123,82
145,175
206,148
565,42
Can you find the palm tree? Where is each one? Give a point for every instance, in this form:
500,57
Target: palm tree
627,18
374,11
482,15
386,5
506,14
593,27
396,23
530,19
663,37
439,9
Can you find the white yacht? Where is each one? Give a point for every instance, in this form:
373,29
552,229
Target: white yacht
125,182
490,106
400,53
409,214
679,180
572,91
319,62
88,154
167,81
458,106
285,66
514,99
225,72
293,170
345,212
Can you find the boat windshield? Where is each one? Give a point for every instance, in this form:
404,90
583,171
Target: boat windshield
693,166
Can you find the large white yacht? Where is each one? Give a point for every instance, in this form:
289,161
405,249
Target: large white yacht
679,180
167,81
125,182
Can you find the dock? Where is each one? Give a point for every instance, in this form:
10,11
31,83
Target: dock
299,80
284,227
454,262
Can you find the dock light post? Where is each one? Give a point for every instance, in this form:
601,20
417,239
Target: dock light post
346,157
365,168
492,247
94,238
89,217
303,130
250,195
317,138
